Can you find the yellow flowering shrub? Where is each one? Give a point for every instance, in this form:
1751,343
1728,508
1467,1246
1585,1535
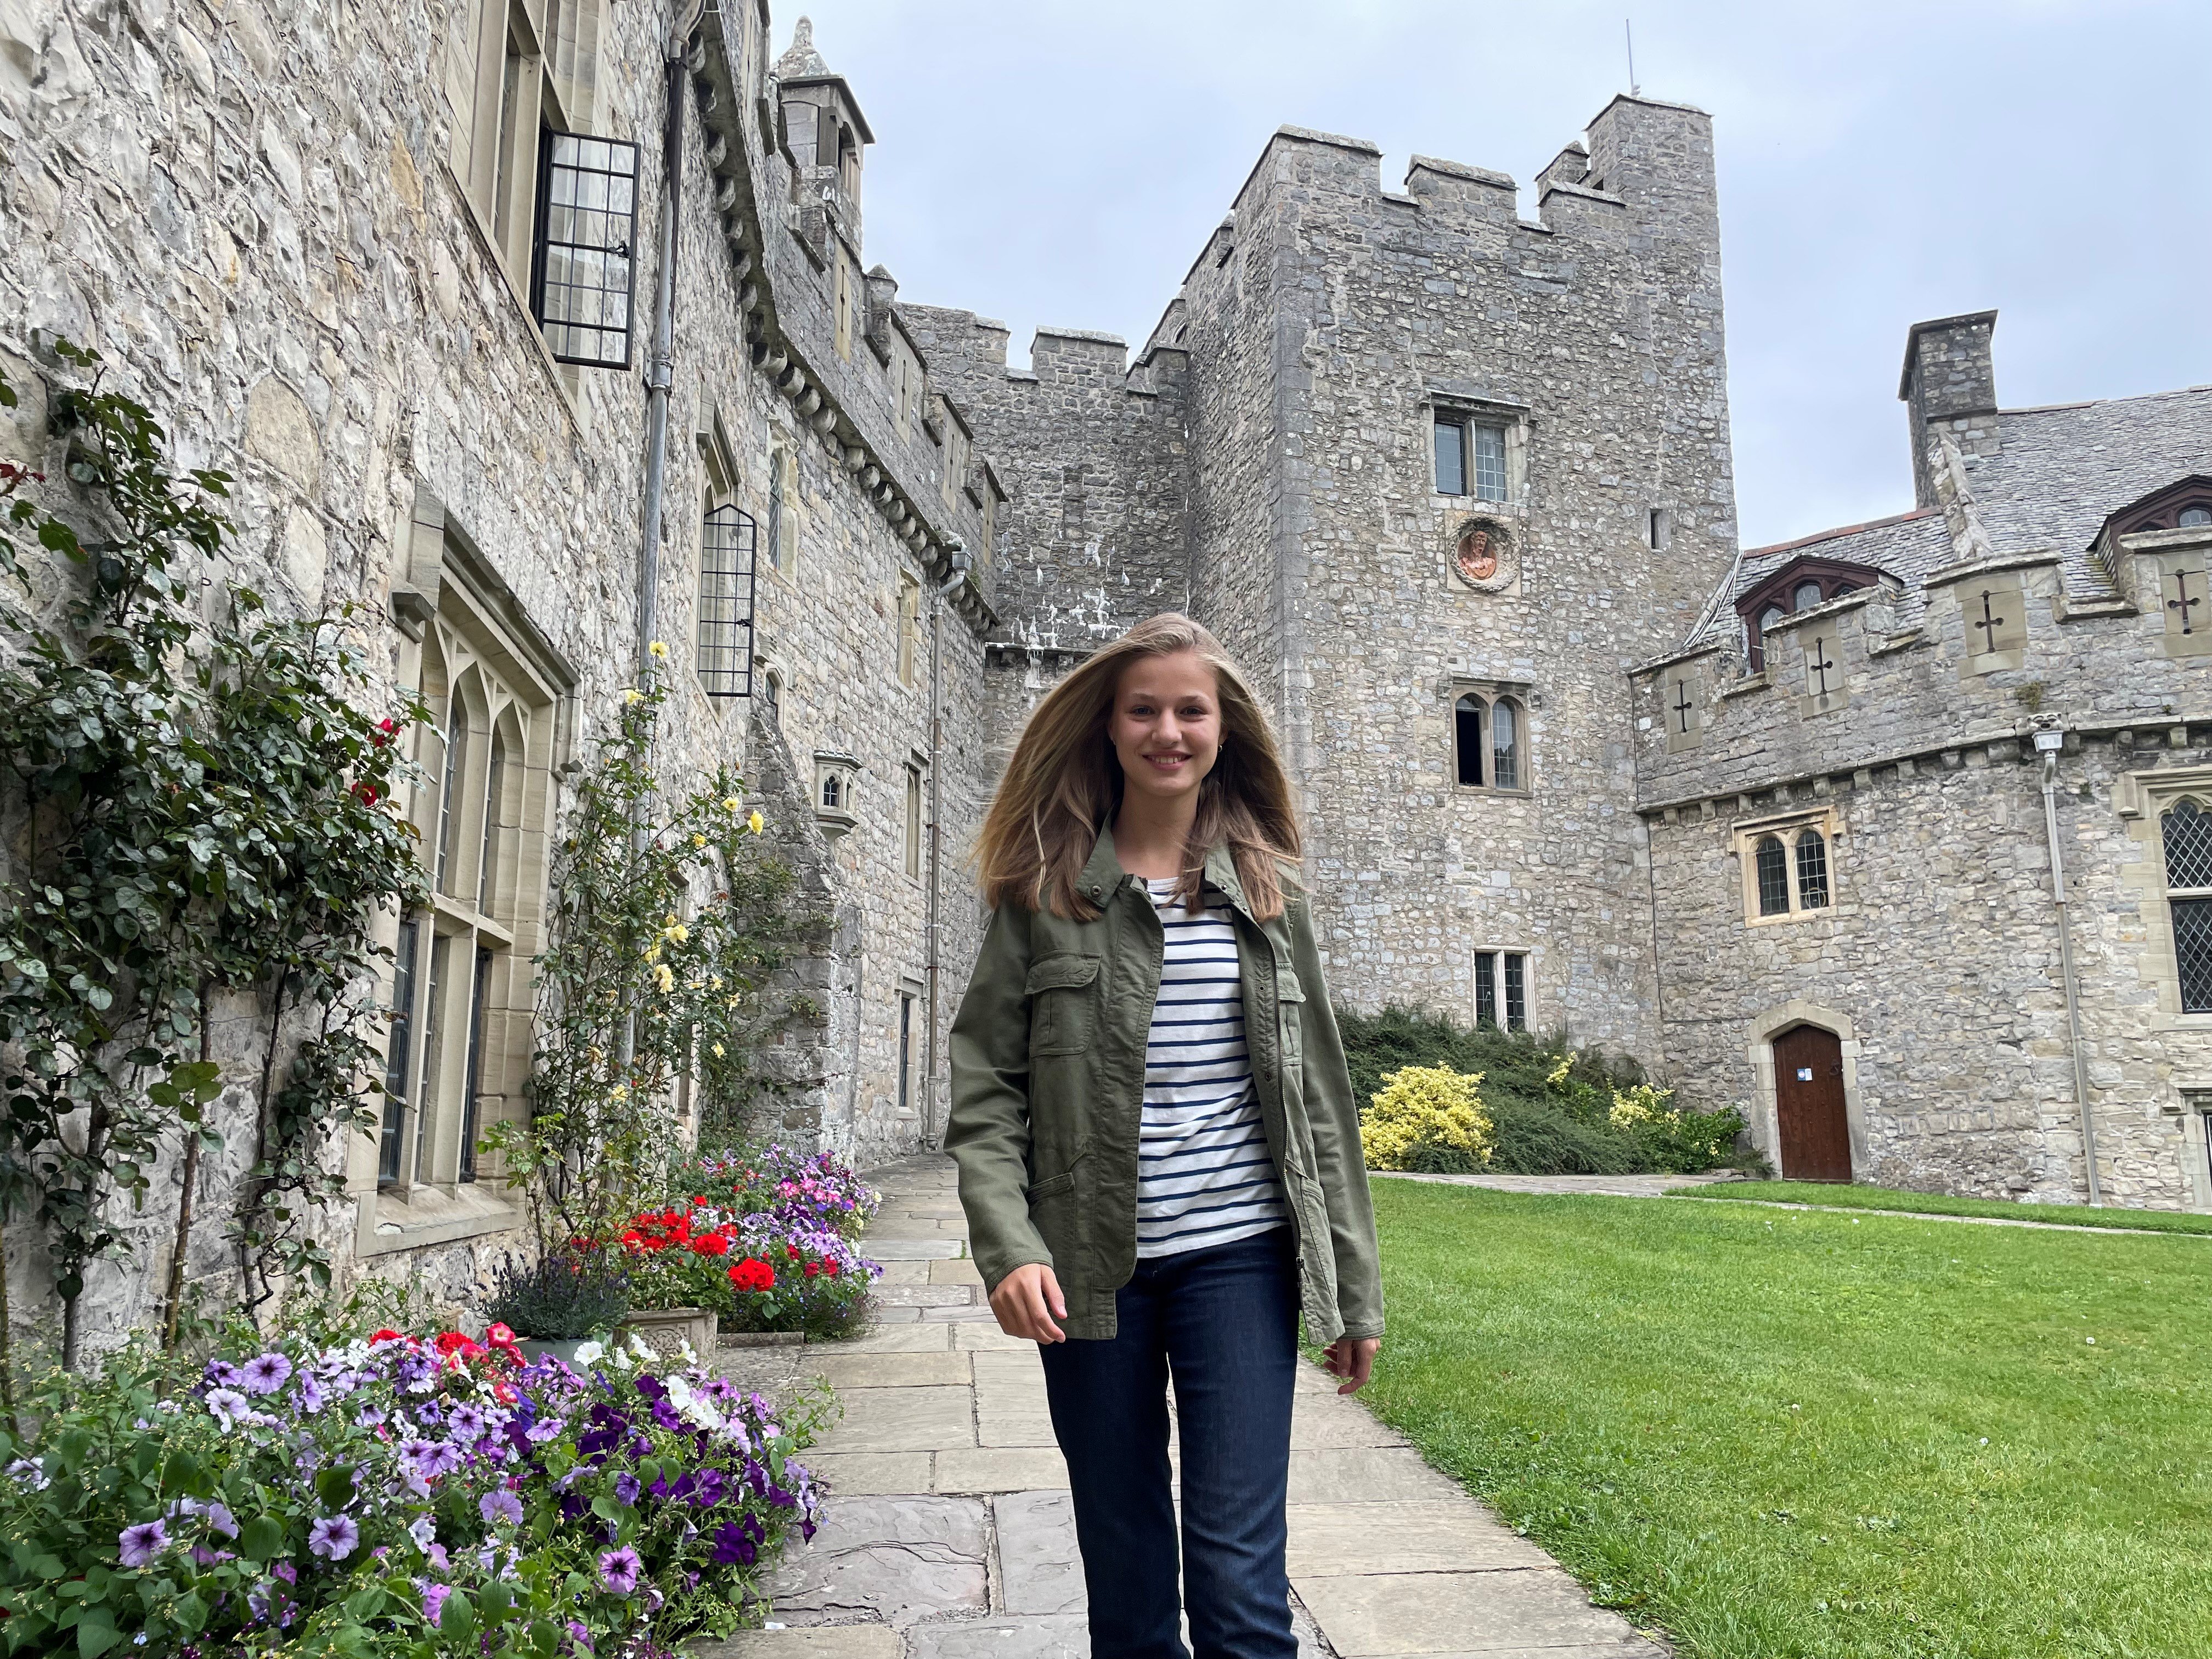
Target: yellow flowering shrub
1429,1119
1642,1104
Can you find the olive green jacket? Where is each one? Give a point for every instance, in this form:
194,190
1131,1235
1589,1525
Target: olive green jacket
1049,1086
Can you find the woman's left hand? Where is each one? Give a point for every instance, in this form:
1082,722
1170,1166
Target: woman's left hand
1351,1358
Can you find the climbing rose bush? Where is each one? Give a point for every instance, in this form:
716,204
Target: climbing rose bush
393,1496
1427,1118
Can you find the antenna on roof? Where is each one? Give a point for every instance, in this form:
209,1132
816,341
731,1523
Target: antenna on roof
1630,34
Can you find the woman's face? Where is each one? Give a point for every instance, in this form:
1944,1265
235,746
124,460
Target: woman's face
1166,728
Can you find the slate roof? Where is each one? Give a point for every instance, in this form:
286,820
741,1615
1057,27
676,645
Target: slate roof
2061,469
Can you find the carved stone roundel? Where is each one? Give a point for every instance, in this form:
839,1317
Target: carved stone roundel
1481,551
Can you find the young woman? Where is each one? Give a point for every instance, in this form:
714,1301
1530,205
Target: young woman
1160,1155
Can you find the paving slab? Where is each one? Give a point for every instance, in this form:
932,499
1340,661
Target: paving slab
1051,1638
1449,1535
900,1559
903,1272
936,1246
1040,1569
1000,1468
1369,1474
879,1370
1374,1615
961,1272
925,1296
1007,1416
903,1419
870,1474
1324,1421
976,1335
814,1642
916,1335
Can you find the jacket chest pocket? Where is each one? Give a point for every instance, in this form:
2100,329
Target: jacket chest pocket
1063,993
1290,1005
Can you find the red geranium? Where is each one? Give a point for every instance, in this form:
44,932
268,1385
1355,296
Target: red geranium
792,1250
711,1244
830,1266
812,1269
753,1274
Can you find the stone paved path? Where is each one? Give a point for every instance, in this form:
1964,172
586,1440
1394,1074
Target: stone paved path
949,1534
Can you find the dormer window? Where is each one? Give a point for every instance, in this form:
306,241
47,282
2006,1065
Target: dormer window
1799,587
2194,517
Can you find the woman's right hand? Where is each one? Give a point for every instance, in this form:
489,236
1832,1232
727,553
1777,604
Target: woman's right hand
1028,1300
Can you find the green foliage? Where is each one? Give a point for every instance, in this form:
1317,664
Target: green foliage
561,1296
1427,1119
1770,1432
1551,1106
644,980
1827,1195
202,790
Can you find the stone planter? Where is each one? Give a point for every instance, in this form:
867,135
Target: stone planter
561,1348
665,1330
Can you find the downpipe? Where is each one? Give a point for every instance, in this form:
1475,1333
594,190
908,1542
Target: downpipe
2048,742
933,966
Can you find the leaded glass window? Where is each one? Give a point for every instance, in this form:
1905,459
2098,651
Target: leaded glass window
588,219
725,602
1467,727
1808,595
1488,444
1812,872
2186,831
2194,517
1451,458
1516,990
1486,988
1505,744
1773,878
399,1050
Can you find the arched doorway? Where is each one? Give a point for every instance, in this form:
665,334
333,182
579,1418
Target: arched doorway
1811,1122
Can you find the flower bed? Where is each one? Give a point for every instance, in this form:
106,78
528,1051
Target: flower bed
816,1193
759,1271
393,1496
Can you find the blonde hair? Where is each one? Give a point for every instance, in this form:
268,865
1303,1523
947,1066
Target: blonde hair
1064,783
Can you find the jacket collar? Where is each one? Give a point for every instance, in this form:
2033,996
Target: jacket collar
1103,873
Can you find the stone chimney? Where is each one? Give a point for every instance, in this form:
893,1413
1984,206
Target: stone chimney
1949,386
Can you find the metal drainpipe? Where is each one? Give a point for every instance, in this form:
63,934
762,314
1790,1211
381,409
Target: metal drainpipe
936,825
2048,743
659,374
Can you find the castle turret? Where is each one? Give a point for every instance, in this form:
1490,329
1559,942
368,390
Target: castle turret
824,128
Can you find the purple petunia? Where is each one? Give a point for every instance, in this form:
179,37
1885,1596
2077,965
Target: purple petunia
618,1570
334,1536
626,1487
426,1460
465,1424
224,1375
732,1548
545,1429
710,1488
310,1394
221,1520
265,1373
230,1408
495,1507
423,1531
139,1544
434,1601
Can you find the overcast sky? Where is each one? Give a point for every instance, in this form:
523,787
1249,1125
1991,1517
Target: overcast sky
1062,163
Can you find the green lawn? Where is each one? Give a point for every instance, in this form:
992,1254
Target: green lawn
1892,1198
1775,1432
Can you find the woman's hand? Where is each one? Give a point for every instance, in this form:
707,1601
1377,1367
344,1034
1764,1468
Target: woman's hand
1349,1357
1028,1300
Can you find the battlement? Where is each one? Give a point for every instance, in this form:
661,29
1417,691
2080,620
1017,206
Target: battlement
1077,353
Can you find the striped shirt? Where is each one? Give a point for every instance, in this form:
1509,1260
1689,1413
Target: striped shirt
1204,1175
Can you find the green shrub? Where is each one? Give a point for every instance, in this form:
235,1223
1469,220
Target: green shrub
1552,1107
1429,1120
562,1297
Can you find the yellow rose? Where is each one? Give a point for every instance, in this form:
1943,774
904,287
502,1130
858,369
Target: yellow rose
658,649
664,978
698,840
732,804
717,1051
619,1092
757,822
632,695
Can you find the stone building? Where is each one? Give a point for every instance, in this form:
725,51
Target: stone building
1455,483
1928,801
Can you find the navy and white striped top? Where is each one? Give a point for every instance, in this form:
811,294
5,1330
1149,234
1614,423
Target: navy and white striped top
1204,1176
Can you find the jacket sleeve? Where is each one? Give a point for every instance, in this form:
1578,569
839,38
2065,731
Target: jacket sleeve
987,1129
1340,1164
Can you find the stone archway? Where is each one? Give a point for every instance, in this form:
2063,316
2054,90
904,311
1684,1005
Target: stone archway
1777,1023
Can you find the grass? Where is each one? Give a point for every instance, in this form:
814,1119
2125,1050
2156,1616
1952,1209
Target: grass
1892,1198
1784,1433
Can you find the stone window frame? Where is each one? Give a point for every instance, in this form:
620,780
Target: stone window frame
780,522
908,650
959,447
846,284
1789,830
1514,694
914,824
472,652
1446,409
1491,994
2141,799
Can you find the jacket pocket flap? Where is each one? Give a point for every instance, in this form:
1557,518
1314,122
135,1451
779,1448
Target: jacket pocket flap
1287,988
1061,973
1058,1183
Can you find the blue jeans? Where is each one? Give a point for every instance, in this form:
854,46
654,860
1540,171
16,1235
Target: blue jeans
1223,1321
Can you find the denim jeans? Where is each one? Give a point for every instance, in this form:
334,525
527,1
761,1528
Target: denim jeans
1223,1322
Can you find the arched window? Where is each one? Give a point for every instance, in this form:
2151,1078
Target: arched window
452,788
1812,872
1467,732
1505,744
2187,832
1772,615
782,529
1773,878
1805,596
2194,518
493,818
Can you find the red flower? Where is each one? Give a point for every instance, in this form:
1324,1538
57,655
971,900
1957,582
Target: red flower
696,1201
711,1244
829,1266
656,1245
499,1335
366,794
753,1274
386,730
632,1238
449,1341
812,1269
384,1336
792,1250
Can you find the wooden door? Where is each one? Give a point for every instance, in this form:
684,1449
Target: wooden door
1808,1099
